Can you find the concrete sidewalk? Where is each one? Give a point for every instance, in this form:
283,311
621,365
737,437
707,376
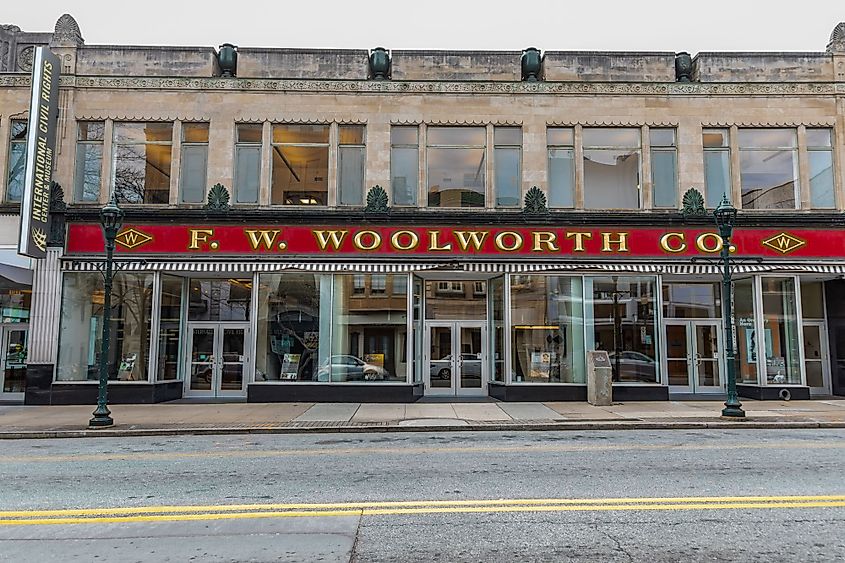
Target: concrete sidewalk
228,418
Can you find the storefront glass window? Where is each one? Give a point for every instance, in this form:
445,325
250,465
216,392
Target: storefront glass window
620,318
560,143
351,163
89,160
454,300
288,328
746,332
369,333
219,300
664,167
812,300
247,162
456,166
769,168
780,323
497,336
170,327
141,163
692,301
80,330
404,164
611,168
300,173
820,157
507,158
418,327
15,301
547,329
17,160
194,162
717,166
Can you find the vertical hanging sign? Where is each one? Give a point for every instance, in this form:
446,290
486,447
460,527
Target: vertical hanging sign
40,153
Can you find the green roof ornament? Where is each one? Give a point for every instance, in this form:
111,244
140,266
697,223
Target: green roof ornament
693,203
218,198
535,202
377,201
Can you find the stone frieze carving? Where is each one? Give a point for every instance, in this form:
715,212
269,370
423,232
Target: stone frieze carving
392,87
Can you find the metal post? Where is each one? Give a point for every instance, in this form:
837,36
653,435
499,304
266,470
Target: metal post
725,216
102,416
111,219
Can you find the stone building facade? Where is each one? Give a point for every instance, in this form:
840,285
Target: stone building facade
385,225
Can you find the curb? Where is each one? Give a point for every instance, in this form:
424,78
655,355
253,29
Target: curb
532,427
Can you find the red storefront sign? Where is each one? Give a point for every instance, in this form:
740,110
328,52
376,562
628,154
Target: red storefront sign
280,241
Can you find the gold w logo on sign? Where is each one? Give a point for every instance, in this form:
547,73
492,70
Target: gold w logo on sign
132,238
39,237
784,243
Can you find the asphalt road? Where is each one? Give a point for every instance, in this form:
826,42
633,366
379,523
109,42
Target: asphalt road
745,495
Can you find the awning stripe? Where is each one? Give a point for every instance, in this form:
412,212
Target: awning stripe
84,265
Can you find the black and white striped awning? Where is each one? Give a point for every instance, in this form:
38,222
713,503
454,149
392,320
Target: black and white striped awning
525,266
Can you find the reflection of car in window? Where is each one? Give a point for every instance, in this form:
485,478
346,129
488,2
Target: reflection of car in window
442,368
634,366
350,368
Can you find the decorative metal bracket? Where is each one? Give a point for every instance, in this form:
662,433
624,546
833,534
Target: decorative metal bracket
377,201
218,198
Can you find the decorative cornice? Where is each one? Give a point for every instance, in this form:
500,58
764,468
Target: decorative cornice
150,117
768,124
480,122
442,87
604,123
300,120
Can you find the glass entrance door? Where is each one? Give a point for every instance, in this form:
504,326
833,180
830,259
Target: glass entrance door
816,363
13,361
216,359
455,358
693,358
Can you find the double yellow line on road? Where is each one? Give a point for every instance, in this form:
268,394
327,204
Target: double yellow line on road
305,510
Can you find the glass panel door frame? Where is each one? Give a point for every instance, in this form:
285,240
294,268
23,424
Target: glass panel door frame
217,361
455,362
694,358
825,356
6,331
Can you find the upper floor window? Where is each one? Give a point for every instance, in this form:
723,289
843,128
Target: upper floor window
717,166
141,163
507,160
768,168
193,162
455,158
247,162
611,168
17,160
560,144
820,159
89,161
664,167
300,165
404,164
351,163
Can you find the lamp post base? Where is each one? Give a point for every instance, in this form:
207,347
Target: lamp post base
733,411
102,417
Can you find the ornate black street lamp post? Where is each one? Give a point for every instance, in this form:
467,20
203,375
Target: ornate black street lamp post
111,219
725,215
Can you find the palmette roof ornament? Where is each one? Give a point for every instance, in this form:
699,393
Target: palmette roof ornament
837,39
67,31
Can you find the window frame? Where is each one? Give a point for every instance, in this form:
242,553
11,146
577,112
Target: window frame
663,149
189,144
13,142
617,147
796,166
507,146
405,146
79,189
328,145
362,147
236,188
483,166
114,158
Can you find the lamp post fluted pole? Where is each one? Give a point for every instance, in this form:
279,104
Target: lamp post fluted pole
111,219
725,215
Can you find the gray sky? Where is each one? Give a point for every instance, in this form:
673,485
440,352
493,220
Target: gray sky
644,25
